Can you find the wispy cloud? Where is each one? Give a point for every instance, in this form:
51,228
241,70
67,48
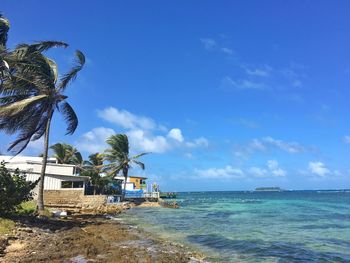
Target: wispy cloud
267,78
291,147
208,43
227,50
228,172
347,139
266,143
263,71
241,84
271,169
246,123
211,44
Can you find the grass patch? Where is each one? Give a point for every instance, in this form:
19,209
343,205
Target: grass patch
26,208
6,226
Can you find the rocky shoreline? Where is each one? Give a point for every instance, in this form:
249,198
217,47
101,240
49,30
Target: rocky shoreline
88,238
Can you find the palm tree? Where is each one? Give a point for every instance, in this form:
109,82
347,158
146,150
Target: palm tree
93,169
32,94
118,157
66,154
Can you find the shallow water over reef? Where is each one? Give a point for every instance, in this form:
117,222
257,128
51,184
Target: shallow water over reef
290,226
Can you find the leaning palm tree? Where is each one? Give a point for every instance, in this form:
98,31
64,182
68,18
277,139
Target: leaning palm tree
66,154
118,157
31,95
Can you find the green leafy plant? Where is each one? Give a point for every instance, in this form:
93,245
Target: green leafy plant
14,189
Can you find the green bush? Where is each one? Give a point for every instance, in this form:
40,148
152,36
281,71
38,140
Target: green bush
14,189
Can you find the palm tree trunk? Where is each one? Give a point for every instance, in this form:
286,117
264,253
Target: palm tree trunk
43,167
125,173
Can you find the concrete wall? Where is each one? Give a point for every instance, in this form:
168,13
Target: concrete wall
73,200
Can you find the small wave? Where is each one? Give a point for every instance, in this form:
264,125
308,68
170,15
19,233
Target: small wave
258,249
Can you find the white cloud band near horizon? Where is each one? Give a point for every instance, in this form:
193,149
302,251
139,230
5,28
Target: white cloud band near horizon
145,134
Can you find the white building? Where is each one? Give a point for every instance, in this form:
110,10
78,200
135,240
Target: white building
57,176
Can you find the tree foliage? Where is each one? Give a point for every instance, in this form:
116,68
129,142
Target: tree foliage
31,90
66,154
118,156
93,169
14,189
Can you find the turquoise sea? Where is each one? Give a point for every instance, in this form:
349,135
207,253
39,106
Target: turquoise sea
289,226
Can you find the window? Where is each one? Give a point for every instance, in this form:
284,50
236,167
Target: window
71,184
66,184
78,184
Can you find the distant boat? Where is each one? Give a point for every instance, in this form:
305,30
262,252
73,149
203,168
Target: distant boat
268,189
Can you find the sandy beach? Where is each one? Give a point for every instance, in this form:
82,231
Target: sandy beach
89,239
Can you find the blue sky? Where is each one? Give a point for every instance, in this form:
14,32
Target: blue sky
227,95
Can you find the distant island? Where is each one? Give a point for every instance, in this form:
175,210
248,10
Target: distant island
268,189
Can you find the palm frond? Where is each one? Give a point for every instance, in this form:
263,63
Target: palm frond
119,146
72,74
78,158
17,107
69,116
27,130
142,165
42,46
139,155
53,69
59,152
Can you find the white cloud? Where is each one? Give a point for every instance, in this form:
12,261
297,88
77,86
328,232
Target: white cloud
144,134
257,171
259,72
126,119
176,134
211,44
291,147
265,143
199,142
208,43
347,139
272,169
318,168
228,172
143,142
285,81
95,140
242,84
256,144
275,169
227,50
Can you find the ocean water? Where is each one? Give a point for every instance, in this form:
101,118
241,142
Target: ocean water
290,226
